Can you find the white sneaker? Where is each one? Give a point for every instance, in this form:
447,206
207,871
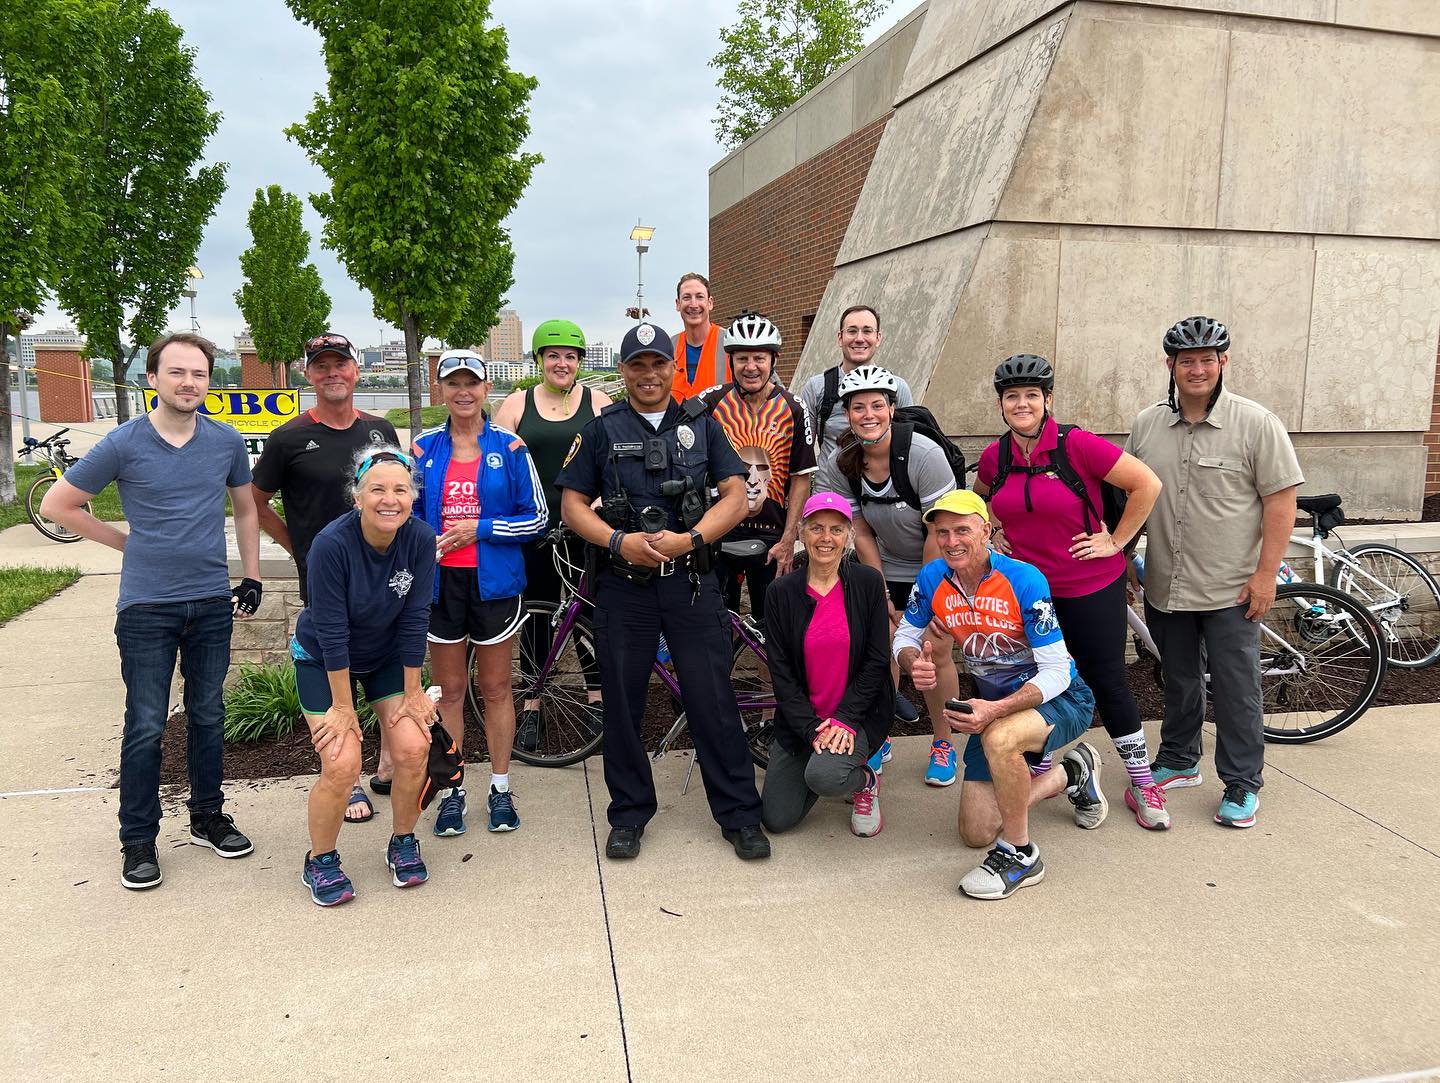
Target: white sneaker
865,818
1002,873
1148,805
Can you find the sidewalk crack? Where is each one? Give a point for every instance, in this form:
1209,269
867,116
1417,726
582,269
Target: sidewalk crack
605,912
1351,808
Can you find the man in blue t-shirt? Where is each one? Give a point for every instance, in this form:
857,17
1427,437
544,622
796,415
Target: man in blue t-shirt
173,468
1031,702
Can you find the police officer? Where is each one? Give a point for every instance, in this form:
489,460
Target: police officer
653,462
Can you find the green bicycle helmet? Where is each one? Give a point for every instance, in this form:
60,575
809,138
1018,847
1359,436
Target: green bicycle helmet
557,333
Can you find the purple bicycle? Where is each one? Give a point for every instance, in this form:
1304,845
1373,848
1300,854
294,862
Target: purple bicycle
557,673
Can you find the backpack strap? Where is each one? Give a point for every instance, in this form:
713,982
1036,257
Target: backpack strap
1005,460
1067,474
901,437
829,399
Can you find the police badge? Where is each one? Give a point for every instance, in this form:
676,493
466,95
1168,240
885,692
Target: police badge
686,437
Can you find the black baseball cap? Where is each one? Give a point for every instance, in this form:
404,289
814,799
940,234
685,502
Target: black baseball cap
646,338
330,342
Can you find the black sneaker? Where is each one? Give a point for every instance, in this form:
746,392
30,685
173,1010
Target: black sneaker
749,841
141,868
905,710
624,842
527,732
217,830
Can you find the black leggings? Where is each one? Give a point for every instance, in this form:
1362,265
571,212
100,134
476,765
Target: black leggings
1095,632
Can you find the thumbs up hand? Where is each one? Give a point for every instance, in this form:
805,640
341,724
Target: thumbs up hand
922,669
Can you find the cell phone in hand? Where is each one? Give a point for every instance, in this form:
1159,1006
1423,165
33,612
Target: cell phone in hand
959,706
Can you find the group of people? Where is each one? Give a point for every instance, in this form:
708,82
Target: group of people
873,559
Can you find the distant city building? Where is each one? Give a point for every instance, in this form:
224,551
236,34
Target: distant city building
599,357
507,372
244,343
506,341
371,357
61,336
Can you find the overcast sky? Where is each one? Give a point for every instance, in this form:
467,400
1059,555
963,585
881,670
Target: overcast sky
622,115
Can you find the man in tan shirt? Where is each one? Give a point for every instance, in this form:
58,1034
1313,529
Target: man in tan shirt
1215,540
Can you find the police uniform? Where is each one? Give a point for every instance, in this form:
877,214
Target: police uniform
617,456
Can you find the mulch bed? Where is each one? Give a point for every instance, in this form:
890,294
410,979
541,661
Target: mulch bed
293,755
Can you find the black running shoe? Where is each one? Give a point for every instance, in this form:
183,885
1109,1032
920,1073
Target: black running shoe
527,732
905,710
141,868
217,830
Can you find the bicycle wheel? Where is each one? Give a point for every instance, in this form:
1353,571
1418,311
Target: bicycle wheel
750,677
1321,662
1401,593
570,726
52,530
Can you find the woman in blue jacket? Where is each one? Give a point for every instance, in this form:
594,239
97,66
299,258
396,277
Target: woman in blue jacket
480,491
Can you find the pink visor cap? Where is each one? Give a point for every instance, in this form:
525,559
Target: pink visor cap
828,502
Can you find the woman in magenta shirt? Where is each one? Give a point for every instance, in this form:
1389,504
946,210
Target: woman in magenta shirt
828,640
1048,525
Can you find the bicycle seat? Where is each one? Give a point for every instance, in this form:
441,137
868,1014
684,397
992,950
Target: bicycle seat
750,547
1318,505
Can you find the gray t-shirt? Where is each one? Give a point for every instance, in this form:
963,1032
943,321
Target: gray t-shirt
174,501
898,528
828,430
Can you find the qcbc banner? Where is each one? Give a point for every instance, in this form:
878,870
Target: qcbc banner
254,414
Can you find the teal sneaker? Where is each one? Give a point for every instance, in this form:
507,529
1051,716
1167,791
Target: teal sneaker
882,756
1178,779
1238,806
941,771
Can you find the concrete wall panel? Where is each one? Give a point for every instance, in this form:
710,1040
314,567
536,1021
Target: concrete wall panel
1116,300
1130,140
945,156
827,118
1332,135
1008,306
956,31
1373,331
1382,482
1320,11
882,70
915,290
1404,16
771,155
727,184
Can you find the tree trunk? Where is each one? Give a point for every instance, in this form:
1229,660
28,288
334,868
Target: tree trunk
412,370
7,430
118,367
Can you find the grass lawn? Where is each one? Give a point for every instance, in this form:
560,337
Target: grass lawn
429,416
26,587
106,503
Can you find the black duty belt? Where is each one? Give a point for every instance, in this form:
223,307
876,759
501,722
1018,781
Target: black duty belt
642,573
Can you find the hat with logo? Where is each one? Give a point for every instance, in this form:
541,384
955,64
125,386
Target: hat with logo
646,338
959,502
828,502
330,342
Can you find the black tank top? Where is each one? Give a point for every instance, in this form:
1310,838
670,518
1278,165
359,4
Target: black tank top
549,441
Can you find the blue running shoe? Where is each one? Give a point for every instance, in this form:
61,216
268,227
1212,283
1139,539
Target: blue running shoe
1178,779
882,756
941,771
503,816
1238,806
328,885
403,857
450,819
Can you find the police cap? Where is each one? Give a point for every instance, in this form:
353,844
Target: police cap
646,338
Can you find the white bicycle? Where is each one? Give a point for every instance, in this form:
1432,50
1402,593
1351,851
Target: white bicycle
1390,583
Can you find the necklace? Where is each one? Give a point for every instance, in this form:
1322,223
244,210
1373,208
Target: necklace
562,410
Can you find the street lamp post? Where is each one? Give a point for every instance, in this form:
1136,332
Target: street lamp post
641,236
192,279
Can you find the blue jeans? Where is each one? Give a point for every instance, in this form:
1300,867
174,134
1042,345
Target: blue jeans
150,637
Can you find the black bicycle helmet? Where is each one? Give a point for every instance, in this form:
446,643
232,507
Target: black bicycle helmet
1197,333
1024,370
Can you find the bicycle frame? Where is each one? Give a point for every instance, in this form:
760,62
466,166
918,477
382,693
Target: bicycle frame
1379,597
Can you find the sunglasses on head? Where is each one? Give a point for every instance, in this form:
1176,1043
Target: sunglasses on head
383,457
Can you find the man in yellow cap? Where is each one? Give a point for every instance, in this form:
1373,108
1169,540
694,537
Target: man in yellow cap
1031,702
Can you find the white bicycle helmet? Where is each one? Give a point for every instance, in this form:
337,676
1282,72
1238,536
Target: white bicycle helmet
869,378
751,331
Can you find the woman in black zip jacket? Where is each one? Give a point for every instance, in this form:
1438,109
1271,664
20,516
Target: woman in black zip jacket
828,640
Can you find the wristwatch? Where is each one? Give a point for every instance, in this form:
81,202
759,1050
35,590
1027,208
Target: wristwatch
696,540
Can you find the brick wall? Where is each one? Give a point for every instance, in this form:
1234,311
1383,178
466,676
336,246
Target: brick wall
254,373
62,378
1432,438
775,249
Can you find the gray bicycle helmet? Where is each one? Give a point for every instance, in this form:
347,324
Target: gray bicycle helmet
1024,370
1197,333
751,331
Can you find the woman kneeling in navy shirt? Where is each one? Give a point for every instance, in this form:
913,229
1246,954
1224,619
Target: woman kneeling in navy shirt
371,574
828,640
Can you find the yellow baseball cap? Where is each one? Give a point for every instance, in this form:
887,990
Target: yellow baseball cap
959,502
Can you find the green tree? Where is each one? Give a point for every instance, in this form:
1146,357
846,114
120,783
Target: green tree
37,120
779,50
140,204
282,298
419,133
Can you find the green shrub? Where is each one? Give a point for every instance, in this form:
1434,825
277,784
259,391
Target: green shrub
263,704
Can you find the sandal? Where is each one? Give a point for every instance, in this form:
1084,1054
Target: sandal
380,785
357,797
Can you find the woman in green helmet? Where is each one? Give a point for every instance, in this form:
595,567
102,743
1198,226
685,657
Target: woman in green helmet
549,417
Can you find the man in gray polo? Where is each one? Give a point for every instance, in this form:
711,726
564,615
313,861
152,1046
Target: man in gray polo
1215,541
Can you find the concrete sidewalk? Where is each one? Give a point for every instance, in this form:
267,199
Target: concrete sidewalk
1305,949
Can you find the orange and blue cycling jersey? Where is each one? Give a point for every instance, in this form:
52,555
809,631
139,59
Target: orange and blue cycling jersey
1007,630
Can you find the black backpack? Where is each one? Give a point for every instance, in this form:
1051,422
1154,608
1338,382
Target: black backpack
829,399
908,421
1112,498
